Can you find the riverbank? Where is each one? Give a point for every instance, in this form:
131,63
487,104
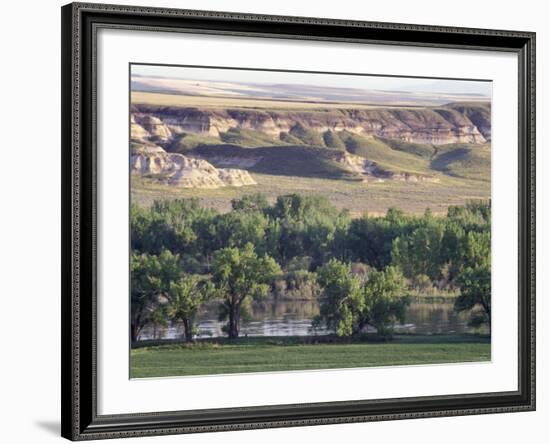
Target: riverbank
268,354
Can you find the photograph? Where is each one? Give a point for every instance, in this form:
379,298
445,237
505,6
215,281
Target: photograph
285,221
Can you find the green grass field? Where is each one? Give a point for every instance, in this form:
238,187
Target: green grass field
287,354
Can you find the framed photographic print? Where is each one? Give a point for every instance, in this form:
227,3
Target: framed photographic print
281,221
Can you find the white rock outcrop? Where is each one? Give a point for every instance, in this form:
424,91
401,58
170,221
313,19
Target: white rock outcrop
356,164
370,171
185,172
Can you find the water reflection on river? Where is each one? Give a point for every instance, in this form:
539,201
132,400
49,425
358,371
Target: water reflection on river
293,318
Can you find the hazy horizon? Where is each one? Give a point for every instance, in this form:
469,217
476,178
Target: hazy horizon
302,86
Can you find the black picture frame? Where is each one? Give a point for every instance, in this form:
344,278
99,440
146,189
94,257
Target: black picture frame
80,420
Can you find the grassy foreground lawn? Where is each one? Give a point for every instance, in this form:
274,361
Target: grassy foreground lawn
287,354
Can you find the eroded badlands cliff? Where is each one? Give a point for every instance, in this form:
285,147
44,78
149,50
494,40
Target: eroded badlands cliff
454,123
212,147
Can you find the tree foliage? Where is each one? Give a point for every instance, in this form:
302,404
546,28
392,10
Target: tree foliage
384,298
475,290
350,303
151,276
341,299
240,274
332,140
185,297
313,247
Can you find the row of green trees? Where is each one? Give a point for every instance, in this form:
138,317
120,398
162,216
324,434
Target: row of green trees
184,254
161,289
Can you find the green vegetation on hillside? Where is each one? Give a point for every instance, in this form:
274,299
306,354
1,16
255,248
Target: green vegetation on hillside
457,160
423,150
386,158
333,140
465,161
307,135
182,143
247,138
299,161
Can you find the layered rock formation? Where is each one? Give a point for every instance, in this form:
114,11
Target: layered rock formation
244,139
148,125
185,172
454,123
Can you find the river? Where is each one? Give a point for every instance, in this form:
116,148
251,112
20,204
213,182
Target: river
293,318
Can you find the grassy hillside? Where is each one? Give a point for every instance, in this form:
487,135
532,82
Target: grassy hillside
386,158
300,161
312,154
247,138
464,161
463,171
333,140
423,150
307,135
182,143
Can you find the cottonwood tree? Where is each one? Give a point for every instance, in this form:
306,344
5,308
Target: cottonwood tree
150,279
474,281
341,297
384,300
239,275
186,295
475,290
349,303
